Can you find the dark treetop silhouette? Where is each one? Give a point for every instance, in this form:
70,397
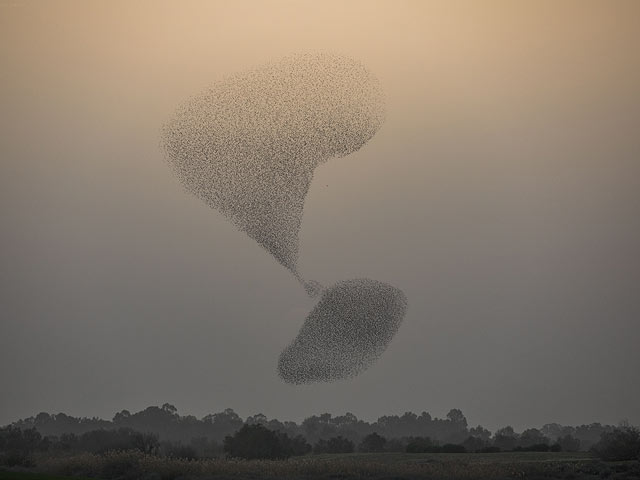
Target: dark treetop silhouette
417,432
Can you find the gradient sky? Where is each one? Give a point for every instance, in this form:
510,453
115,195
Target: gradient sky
502,195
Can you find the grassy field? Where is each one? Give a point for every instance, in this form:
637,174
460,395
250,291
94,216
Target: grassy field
387,466
5,475
457,457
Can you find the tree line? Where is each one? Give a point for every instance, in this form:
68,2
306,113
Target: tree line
162,431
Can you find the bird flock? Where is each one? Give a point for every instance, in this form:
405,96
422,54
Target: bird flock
248,147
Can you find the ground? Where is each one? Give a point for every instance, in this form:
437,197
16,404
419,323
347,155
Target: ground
382,466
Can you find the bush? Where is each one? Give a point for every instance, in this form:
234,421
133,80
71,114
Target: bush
474,444
337,444
372,443
395,445
491,449
16,459
538,447
101,441
569,443
452,448
619,444
296,446
256,441
177,450
120,465
13,439
425,445
420,445
504,439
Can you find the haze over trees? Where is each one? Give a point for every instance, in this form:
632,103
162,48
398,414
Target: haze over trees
324,432
162,432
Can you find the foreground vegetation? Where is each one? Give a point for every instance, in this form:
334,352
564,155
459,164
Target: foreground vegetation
131,465
12,475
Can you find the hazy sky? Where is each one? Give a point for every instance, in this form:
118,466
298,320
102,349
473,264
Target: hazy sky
502,195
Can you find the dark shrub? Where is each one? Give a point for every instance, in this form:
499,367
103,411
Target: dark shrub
452,448
16,459
425,445
145,442
296,446
490,450
372,443
538,447
101,441
420,445
395,445
179,451
206,447
13,439
17,445
569,443
620,444
120,467
337,444
321,446
256,441
504,442
474,444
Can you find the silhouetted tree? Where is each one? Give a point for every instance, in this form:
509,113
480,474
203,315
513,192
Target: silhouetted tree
532,436
372,443
145,442
480,432
121,417
553,431
17,446
455,416
223,424
295,446
505,438
474,444
590,434
256,441
569,443
65,432
257,418
420,445
622,443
